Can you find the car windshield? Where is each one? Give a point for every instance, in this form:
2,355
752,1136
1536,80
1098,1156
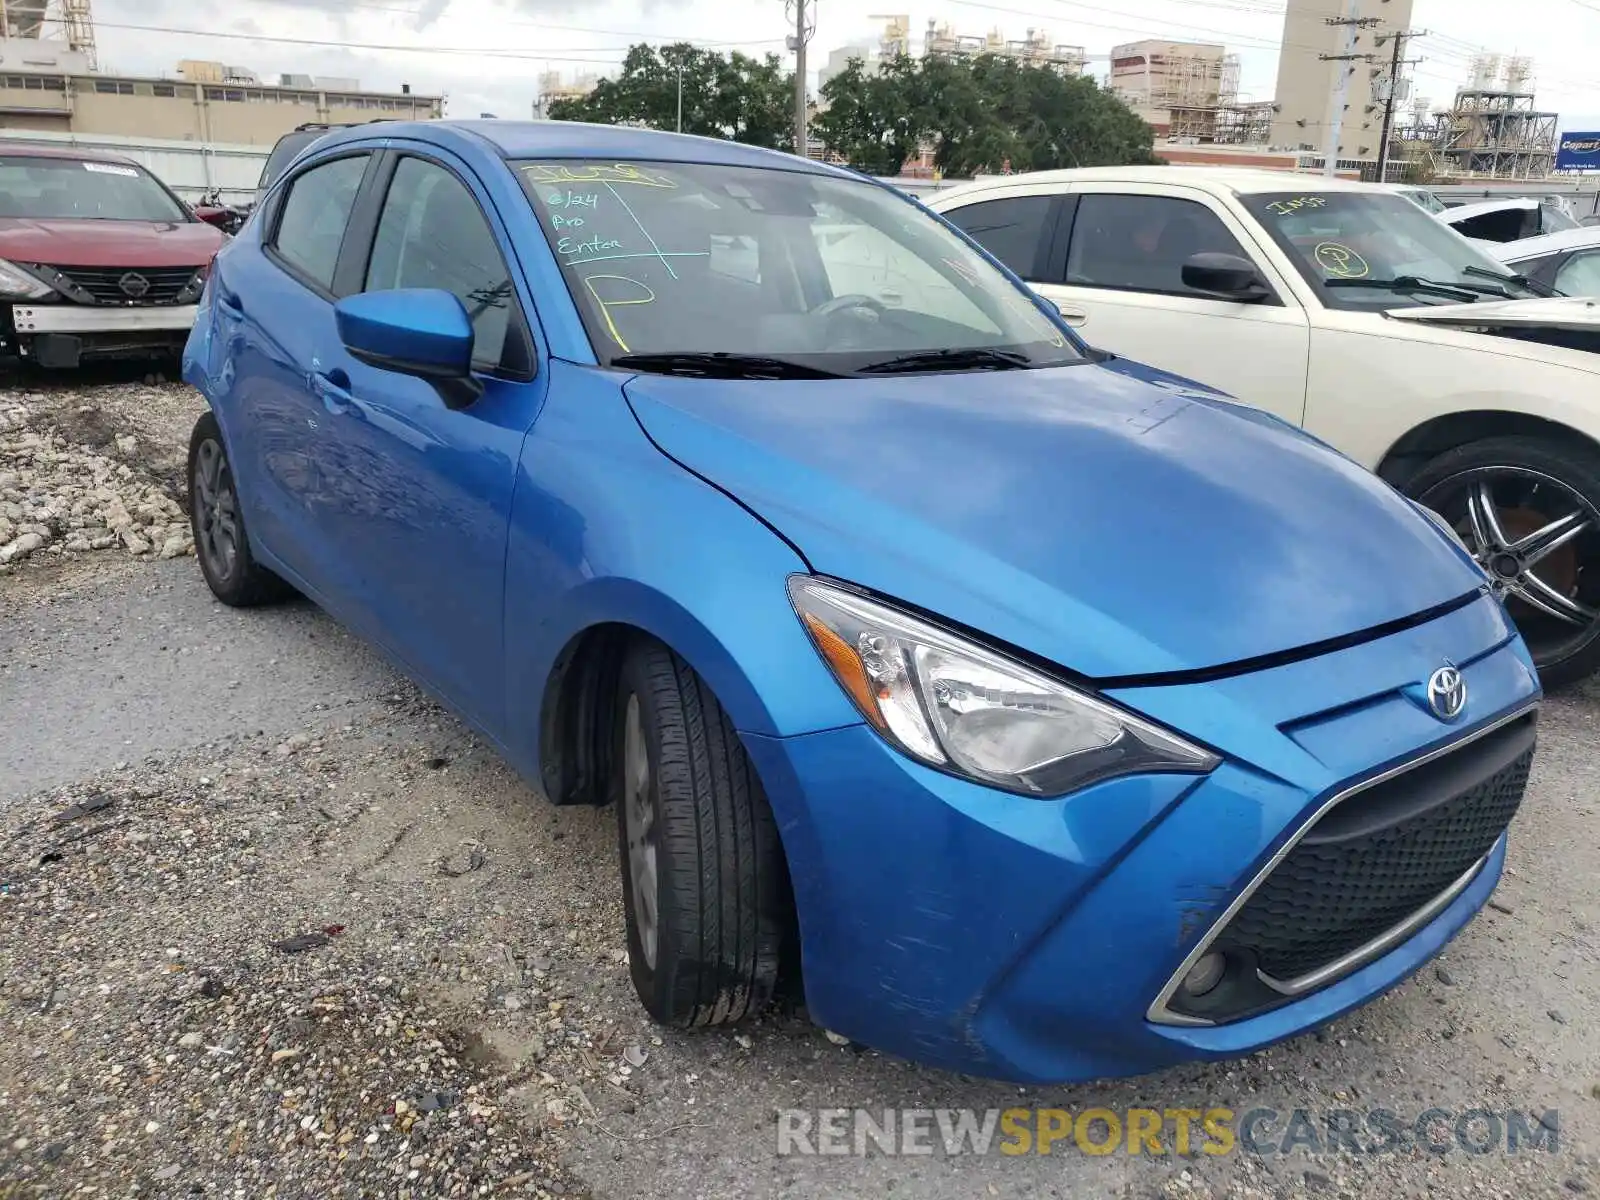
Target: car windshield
1425,200
1345,238
64,189
835,275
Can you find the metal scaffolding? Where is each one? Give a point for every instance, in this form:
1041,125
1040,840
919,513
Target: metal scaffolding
1036,48
1497,134
69,20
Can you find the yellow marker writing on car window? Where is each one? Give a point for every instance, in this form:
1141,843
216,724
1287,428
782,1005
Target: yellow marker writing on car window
617,301
1340,261
612,173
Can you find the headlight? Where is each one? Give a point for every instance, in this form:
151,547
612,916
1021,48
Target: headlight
17,284
962,708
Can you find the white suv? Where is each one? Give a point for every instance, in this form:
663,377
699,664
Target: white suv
1348,310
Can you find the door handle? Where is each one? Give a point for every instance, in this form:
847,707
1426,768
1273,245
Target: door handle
1071,314
333,387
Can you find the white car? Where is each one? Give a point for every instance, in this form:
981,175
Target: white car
1568,261
1350,311
1509,219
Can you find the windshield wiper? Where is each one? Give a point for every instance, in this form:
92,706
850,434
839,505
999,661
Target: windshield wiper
1409,283
719,364
975,359
1522,281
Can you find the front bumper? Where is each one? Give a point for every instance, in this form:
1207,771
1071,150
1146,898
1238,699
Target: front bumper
75,318
1033,940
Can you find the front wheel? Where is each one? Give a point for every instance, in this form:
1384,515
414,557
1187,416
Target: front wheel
1529,510
704,882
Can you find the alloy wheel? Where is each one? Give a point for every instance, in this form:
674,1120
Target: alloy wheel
216,507
1538,540
639,815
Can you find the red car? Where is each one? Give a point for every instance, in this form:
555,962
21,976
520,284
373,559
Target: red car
98,258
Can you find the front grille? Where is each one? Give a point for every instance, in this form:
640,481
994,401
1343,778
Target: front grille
1383,854
104,285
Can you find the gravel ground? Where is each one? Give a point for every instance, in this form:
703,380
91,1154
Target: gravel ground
94,467
183,789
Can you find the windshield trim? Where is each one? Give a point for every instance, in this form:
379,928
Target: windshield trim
1066,347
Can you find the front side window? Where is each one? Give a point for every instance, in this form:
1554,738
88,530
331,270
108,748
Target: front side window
1015,230
837,274
314,215
1580,275
432,234
57,189
1140,243
1363,250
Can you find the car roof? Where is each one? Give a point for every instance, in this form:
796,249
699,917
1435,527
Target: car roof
578,139
1238,180
1462,212
1548,243
74,153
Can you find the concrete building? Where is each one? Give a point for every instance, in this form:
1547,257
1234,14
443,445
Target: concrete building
1179,88
46,87
1307,80
839,60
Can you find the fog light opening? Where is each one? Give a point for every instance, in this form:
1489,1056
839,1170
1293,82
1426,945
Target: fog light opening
1205,974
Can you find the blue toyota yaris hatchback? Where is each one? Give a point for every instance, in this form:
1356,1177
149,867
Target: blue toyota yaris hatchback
1044,716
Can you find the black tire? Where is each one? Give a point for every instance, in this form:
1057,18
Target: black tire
234,578
1541,479
722,904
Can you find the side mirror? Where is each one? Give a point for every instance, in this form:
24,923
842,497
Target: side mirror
1226,277
413,331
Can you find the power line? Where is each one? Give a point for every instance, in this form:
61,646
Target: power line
481,52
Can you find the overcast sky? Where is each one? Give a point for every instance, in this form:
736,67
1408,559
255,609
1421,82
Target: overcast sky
505,44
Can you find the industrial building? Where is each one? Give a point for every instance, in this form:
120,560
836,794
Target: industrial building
1036,48
1320,42
49,85
553,87
1188,92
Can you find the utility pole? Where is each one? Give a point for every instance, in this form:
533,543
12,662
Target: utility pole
1393,97
1352,25
680,95
804,26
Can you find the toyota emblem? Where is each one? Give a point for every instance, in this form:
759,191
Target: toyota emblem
1447,693
133,284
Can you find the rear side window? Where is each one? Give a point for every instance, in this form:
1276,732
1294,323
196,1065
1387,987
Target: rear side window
314,215
1015,230
433,235
1140,243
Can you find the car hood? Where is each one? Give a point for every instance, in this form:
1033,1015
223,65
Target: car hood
1110,526
1580,313
94,243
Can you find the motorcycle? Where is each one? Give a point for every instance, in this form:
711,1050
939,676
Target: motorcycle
229,218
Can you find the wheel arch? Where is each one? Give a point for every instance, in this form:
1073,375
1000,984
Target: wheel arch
572,734
1412,451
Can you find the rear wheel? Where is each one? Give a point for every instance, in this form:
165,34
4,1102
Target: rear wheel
1529,511
704,883
220,544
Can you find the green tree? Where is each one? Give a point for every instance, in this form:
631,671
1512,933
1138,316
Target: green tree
876,121
980,115
734,96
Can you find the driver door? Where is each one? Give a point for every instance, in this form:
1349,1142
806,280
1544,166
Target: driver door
1121,287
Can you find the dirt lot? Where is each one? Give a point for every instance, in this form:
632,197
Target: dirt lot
268,917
